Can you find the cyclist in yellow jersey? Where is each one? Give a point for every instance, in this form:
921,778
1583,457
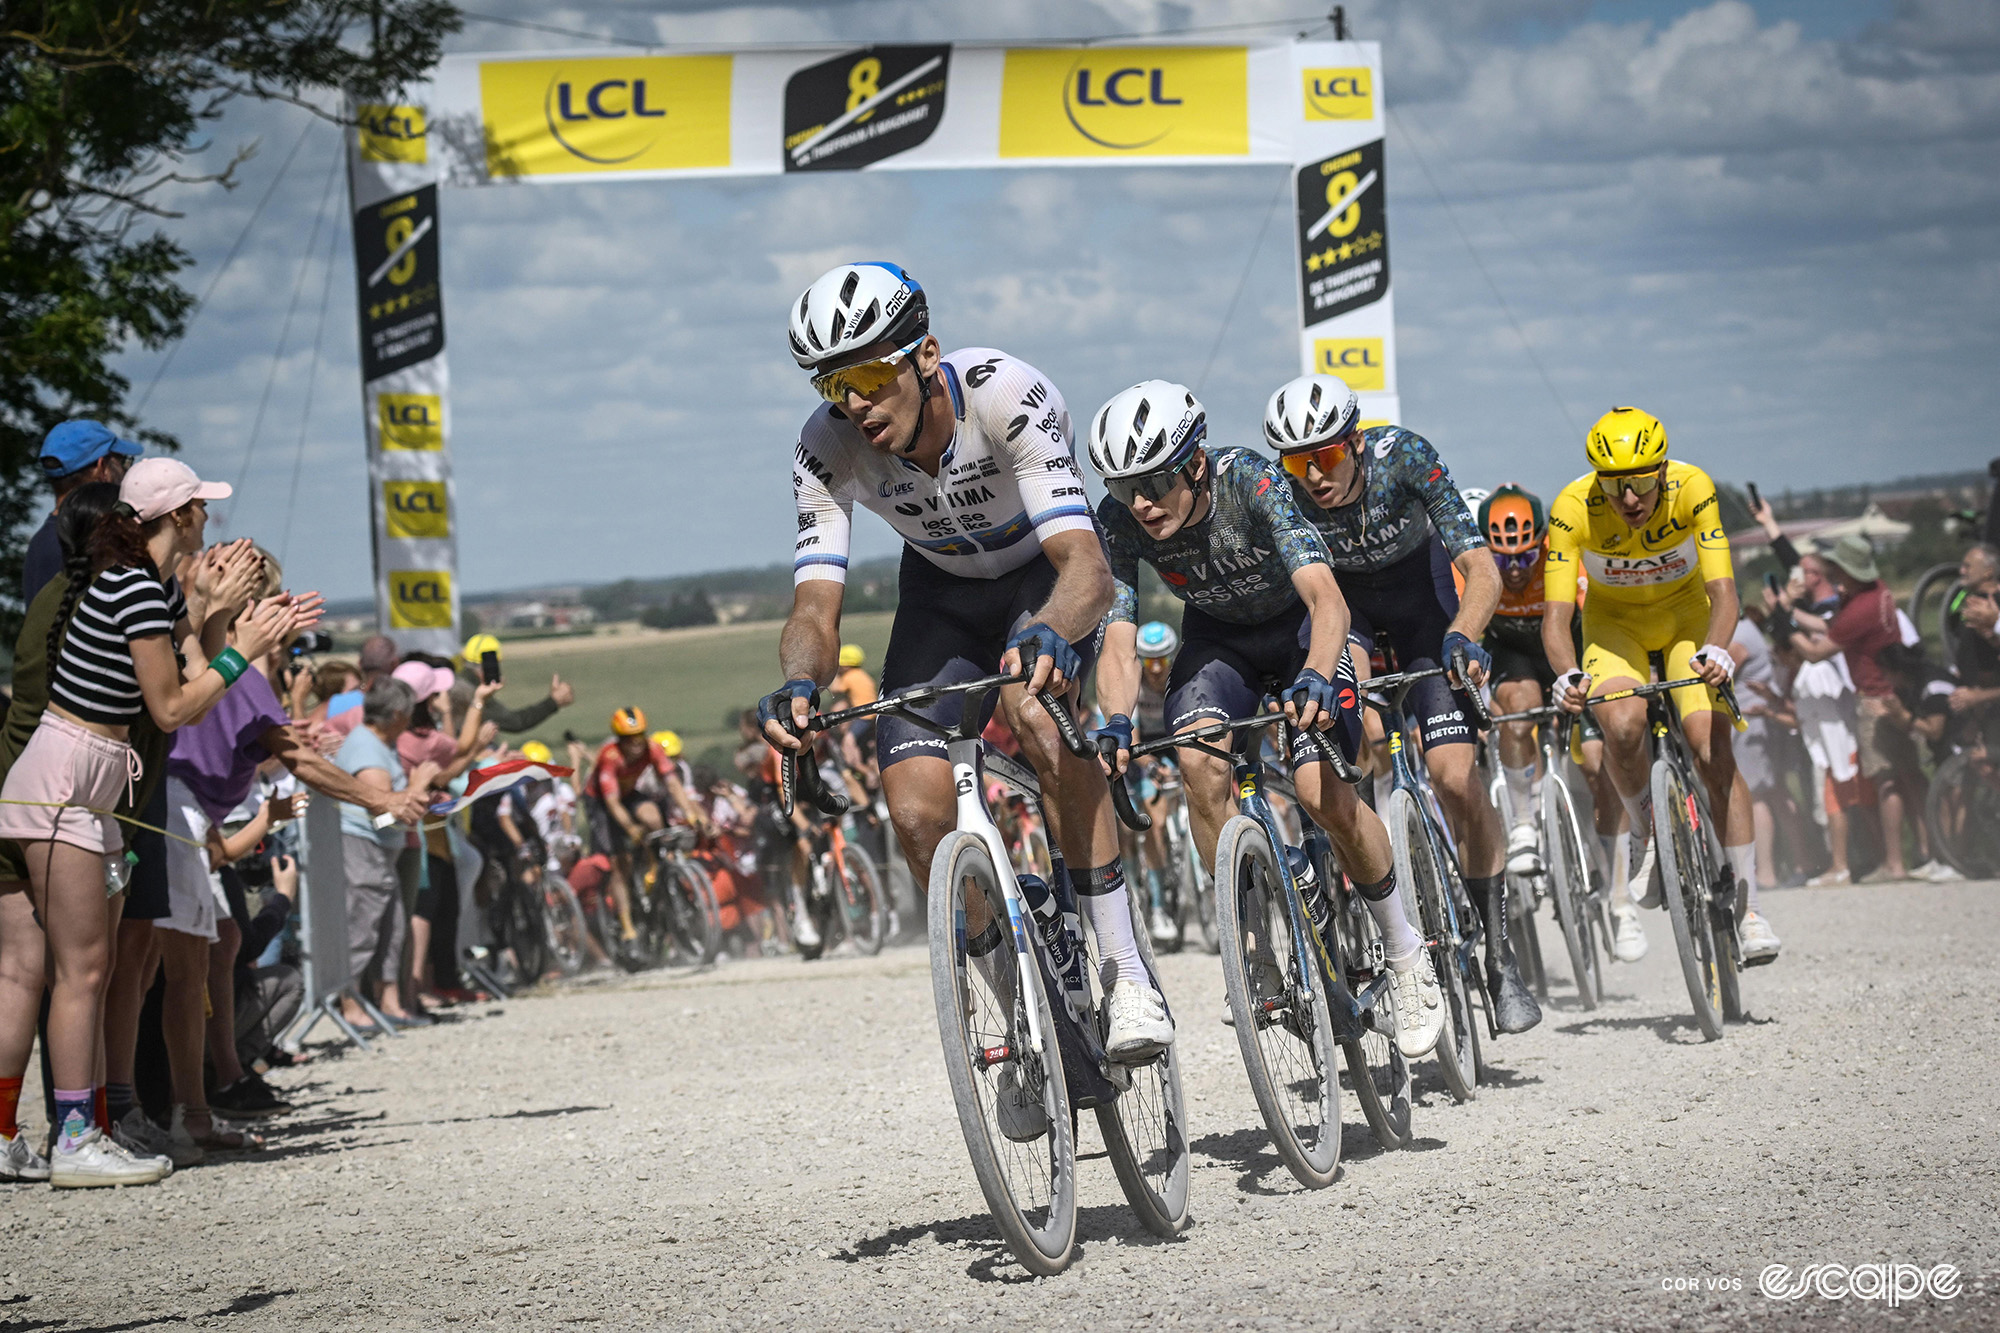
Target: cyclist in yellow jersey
1648,532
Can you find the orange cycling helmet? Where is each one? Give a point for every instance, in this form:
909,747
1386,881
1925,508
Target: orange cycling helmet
1513,520
628,722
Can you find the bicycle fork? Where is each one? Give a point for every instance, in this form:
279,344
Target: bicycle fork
972,815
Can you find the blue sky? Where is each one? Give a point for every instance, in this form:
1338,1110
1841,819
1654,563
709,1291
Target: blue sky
1773,224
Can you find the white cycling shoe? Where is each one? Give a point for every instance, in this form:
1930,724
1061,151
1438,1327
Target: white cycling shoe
1139,1028
1524,851
1628,937
804,933
1758,941
1419,1007
1022,1117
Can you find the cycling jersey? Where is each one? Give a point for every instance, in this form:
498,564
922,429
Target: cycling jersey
1680,549
1007,482
614,775
1237,563
1406,492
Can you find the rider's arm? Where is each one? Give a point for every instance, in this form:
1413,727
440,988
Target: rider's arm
1559,569
1482,592
810,646
809,649
1083,584
1118,663
689,810
1723,611
1118,669
1328,610
614,805
1039,450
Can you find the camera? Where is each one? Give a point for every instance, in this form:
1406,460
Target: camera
312,642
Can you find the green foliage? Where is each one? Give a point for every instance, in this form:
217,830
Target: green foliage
100,102
684,610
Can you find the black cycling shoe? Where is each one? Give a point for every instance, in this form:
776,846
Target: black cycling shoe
1514,1006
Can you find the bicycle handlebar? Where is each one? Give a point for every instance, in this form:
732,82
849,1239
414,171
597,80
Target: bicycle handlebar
1725,692
1139,821
1459,660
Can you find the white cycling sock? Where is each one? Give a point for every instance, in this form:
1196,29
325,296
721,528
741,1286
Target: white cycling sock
1639,809
1384,784
1102,895
1520,787
1400,942
1743,860
1621,869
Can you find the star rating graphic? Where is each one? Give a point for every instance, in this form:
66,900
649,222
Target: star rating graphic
1340,254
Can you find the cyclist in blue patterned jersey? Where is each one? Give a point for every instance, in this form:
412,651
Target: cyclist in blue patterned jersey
967,455
1263,611
1395,528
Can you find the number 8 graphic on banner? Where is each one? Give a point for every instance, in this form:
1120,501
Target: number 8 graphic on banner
406,267
863,82
1336,190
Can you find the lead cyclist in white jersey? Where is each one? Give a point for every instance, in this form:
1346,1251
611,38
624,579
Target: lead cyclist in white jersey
968,456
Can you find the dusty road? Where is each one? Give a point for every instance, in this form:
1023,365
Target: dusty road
773,1145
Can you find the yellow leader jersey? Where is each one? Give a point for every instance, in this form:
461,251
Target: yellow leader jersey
1679,549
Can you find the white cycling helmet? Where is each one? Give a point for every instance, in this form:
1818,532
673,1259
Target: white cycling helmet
1474,496
1308,412
1157,639
1150,427
853,306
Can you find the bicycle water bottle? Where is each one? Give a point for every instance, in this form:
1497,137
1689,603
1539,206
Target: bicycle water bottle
1311,891
1064,955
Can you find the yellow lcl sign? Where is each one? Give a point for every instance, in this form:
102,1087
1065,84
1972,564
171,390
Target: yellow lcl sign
1150,101
652,113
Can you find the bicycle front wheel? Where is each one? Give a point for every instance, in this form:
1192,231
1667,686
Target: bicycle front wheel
1562,834
864,907
1028,1176
1377,1070
1421,879
687,898
1963,815
563,925
1197,889
1686,873
525,932
1282,1022
1145,1127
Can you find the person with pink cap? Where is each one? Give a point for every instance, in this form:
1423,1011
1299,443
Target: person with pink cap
112,656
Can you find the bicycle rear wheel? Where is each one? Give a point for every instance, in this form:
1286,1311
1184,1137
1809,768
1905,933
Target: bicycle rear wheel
686,899
1685,873
563,924
1963,815
1421,881
1569,884
1145,1128
1377,1071
864,907
1030,1185
1527,940
525,932
1282,1022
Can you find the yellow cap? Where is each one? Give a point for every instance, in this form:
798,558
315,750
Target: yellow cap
536,752
478,646
670,741
1626,439
851,655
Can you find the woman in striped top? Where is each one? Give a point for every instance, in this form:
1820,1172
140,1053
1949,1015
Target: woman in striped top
114,651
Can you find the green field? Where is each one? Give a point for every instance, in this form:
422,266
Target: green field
693,681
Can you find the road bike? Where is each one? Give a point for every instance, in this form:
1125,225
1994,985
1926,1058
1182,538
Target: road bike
844,896
673,901
1027,1023
1565,876
1289,986
1698,885
1962,812
1191,886
1429,878
1524,891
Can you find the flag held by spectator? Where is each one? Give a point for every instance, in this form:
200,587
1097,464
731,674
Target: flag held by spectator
496,778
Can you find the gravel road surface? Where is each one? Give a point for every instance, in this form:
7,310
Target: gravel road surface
773,1145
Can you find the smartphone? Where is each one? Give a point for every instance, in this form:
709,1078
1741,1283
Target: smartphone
489,667
570,738
1756,500
1772,585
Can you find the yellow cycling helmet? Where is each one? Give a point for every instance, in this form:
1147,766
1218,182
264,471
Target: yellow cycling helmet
670,741
628,722
536,752
851,655
479,645
1626,439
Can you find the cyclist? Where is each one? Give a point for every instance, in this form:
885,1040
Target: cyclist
968,457
1648,532
1225,535
621,815
1395,530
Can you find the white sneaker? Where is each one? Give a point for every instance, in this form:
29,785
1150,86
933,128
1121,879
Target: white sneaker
1139,1027
19,1161
1937,872
1757,940
1524,851
1419,1007
1162,926
147,1141
1021,1114
1628,937
804,933
97,1161
1646,869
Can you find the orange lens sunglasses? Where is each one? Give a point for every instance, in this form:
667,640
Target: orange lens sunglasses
1326,458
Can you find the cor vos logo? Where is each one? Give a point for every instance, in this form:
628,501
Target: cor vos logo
1112,102
545,117
410,421
1359,361
1338,94
420,599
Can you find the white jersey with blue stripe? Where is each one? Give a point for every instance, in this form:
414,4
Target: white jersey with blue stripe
1007,482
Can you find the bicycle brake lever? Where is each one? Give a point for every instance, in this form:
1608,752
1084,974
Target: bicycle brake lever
1072,739
1121,799
1459,662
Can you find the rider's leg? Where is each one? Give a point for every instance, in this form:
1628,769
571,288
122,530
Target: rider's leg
1710,736
1471,812
924,809
1517,744
621,892
1361,845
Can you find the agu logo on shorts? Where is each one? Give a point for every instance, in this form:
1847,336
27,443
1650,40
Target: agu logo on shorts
658,113
416,509
1338,94
420,599
410,421
1131,101
391,133
1359,361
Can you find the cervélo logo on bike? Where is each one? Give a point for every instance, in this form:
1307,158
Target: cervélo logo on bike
1113,102
553,117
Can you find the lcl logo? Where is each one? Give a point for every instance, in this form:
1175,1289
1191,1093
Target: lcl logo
420,599
1359,361
606,99
1339,94
1128,86
411,421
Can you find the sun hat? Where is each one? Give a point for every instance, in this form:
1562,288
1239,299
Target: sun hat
424,679
157,486
1855,558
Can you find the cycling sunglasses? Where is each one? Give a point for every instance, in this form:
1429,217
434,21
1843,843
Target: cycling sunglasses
1614,484
1511,562
866,379
1155,486
1326,458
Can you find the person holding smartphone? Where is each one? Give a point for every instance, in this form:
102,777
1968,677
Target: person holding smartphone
480,665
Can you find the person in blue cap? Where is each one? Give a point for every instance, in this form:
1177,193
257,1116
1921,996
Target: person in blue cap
73,454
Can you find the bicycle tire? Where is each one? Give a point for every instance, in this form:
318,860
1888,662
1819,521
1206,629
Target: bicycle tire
862,903
1962,814
1290,1055
1685,877
563,924
1378,1074
1145,1127
1943,576
1198,896
693,924
1526,939
1562,838
1047,1247
525,933
1421,882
